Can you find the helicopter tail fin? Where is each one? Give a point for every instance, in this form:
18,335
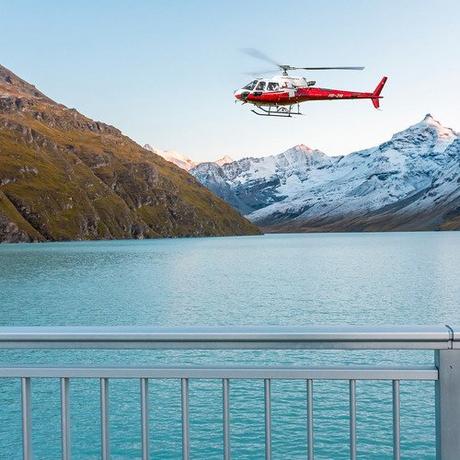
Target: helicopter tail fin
376,94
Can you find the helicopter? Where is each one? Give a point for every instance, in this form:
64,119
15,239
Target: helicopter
281,95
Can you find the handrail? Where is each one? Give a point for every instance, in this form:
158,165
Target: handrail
253,337
225,372
445,373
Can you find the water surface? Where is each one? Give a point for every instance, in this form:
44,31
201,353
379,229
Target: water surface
308,279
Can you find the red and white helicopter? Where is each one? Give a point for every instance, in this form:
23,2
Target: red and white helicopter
280,96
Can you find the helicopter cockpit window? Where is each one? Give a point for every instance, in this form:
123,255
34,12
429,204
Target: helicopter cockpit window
273,86
251,85
260,86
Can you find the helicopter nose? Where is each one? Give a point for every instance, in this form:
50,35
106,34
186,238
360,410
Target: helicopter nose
241,94
237,94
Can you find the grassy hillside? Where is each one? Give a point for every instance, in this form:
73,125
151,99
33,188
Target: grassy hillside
64,176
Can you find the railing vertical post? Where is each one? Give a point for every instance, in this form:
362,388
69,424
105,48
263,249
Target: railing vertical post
185,420
352,419
226,417
105,447
145,419
447,402
268,419
65,419
26,419
396,420
310,440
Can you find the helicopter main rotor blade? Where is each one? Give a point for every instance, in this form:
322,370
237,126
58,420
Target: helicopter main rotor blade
262,72
259,55
326,68
284,67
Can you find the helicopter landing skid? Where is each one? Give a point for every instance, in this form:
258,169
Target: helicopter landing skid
278,111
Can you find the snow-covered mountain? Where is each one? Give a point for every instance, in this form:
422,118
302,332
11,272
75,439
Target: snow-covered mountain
224,160
181,160
174,157
411,182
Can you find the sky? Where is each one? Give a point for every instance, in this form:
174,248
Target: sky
164,72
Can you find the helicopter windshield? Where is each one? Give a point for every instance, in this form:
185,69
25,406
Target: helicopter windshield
251,85
260,86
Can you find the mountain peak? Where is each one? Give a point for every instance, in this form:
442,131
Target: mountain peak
428,133
443,130
174,157
224,160
302,149
431,121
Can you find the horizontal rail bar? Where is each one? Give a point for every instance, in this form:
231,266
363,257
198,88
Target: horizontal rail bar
331,337
320,373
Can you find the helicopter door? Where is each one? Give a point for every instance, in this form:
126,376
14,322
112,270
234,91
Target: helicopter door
287,86
291,90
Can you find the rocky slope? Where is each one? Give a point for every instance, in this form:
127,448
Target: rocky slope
64,176
411,182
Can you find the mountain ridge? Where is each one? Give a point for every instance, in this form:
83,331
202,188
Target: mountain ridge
183,161
64,176
397,185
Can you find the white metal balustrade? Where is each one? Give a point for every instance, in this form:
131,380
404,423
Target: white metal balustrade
445,372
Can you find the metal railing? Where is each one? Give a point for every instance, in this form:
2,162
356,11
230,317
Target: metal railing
445,372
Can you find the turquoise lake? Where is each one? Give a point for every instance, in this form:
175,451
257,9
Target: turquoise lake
298,279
